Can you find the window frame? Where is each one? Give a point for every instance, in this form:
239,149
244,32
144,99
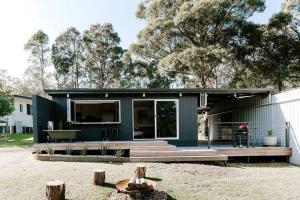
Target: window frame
155,119
21,108
30,109
90,102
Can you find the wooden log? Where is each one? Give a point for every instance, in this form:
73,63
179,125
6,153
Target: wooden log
131,183
98,177
55,190
140,171
143,183
138,183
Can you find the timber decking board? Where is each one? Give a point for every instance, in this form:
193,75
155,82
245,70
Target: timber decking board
218,157
161,151
134,153
256,151
96,145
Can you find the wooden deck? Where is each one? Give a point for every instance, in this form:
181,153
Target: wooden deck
256,151
161,151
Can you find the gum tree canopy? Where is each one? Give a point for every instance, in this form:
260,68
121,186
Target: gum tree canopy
193,40
67,57
103,55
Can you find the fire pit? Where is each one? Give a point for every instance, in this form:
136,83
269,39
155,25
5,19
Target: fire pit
137,185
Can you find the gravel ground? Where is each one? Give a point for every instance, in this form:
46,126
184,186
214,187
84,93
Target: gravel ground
22,177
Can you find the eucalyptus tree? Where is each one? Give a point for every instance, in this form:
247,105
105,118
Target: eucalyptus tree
103,55
192,39
278,57
67,57
38,45
142,74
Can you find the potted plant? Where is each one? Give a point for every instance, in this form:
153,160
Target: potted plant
269,139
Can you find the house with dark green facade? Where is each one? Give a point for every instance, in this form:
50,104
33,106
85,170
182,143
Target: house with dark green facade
130,114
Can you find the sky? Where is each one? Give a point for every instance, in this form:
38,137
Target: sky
19,19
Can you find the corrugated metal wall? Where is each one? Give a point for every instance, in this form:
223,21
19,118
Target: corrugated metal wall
271,112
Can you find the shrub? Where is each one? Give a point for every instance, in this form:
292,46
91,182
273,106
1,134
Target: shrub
270,133
103,149
119,153
50,151
68,150
83,150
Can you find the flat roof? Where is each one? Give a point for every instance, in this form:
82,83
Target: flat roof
20,96
217,91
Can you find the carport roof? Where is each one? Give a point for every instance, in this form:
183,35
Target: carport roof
53,92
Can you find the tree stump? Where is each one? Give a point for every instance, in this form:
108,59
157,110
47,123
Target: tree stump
140,171
98,177
55,190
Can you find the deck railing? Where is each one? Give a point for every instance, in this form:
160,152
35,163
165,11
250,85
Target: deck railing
226,132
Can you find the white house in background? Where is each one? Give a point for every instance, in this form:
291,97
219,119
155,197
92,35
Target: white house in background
20,121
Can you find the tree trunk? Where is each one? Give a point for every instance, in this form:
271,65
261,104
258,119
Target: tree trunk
55,190
140,171
98,177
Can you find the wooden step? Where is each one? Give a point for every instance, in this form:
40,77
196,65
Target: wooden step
218,157
153,148
142,153
149,143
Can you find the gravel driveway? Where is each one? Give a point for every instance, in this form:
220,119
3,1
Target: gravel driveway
22,177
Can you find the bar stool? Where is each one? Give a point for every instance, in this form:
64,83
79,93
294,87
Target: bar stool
115,131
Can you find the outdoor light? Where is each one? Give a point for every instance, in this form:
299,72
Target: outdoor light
144,95
180,94
106,95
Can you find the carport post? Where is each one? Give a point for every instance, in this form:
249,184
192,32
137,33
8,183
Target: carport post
208,142
287,134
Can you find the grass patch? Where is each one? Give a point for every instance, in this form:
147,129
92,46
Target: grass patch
17,140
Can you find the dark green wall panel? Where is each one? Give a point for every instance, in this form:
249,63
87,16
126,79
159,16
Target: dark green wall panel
187,117
43,111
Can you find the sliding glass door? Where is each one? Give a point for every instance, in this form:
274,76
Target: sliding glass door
166,119
155,119
143,119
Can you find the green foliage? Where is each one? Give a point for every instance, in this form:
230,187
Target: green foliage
67,57
50,150
276,59
38,45
103,149
6,103
119,153
68,150
270,133
140,74
83,150
103,56
193,41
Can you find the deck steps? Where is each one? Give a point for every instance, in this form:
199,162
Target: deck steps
153,148
169,153
143,153
218,157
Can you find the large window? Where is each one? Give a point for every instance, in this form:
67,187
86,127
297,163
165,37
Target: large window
89,111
